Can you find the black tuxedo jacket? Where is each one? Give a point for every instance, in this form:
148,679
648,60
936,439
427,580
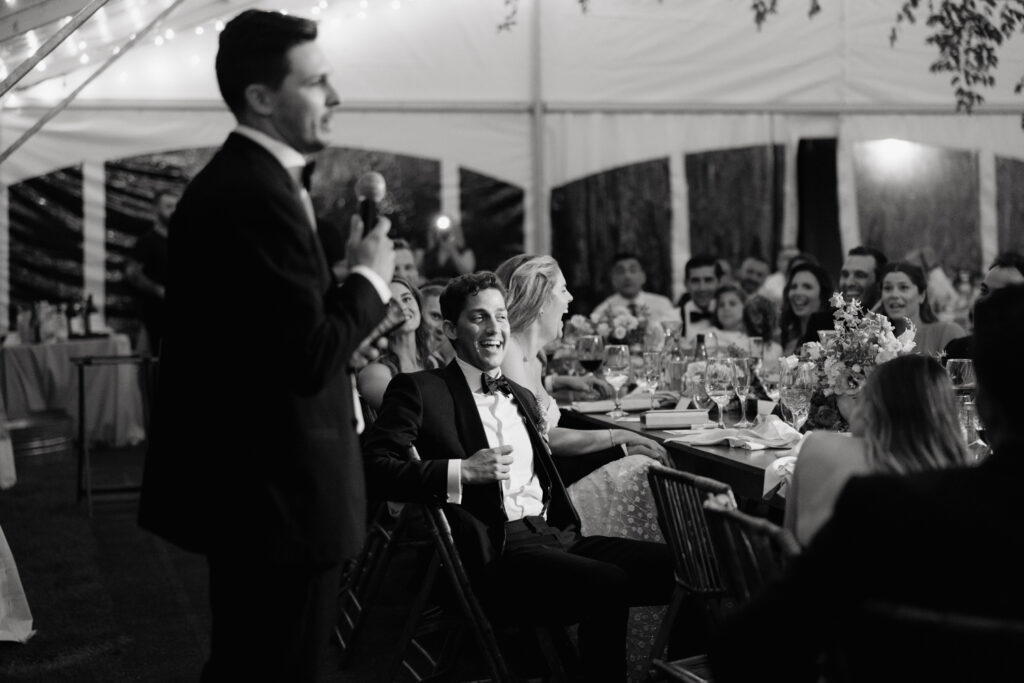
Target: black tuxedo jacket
254,448
434,411
945,540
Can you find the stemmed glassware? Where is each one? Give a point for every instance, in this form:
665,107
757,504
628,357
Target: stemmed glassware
770,374
718,382
742,371
590,352
961,374
616,373
797,385
652,372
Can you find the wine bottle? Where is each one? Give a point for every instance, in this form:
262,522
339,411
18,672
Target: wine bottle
87,310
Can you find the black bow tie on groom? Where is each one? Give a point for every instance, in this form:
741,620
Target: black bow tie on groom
307,174
697,316
492,384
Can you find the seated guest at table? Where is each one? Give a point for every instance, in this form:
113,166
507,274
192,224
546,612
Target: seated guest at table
515,526
1006,269
702,275
859,278
728,318
805,308
405,263
905,421
628,279
440,348
408,347
752,274
905,297
775,284
760,319
947,540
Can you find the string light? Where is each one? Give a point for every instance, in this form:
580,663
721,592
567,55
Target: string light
396,4
159,41
199,30
169,34
315,10
41,66
219,26
81,45
33,41
84,59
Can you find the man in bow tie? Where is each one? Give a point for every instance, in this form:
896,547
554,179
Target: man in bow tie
702,274
515,527
628,279
254,459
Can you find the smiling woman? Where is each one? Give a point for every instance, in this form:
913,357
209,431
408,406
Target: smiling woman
805,307
905,297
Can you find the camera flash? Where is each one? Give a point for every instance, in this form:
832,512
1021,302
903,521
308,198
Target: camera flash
443,222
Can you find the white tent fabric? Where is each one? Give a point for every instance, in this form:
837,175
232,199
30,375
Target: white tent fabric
562,95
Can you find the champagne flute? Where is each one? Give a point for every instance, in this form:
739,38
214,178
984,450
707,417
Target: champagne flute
652,372
756,351
961,374
742,371
718,382
770,374
590,352
616,373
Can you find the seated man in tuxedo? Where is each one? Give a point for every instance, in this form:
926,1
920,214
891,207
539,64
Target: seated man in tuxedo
512,520
1007,269
703,274
943,540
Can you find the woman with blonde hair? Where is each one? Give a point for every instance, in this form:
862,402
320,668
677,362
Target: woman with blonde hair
906,420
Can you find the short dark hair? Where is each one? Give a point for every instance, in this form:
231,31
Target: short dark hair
864,250
453,298
1009,259
253,49
400,243
627,256
702,261
998,364
429,290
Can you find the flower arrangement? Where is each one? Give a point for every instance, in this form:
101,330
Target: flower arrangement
861,341
614,323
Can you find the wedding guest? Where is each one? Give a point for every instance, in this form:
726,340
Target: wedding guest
805,308
440,348
859,278
408,347
1007,269
942,295
447,254
146,270
905,420
774,285
752,274
405,263
729,328
946,540
760,319
905,297
702,275
628,280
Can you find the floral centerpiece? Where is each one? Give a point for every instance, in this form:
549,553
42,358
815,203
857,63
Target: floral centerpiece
861,341
616,324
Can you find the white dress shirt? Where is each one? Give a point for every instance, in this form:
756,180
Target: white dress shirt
522,494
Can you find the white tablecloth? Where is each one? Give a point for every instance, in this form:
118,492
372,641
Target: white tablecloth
38,377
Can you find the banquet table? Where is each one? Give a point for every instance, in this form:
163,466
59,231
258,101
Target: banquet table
742,469
36,377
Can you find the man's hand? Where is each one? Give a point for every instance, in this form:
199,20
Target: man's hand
639,445
487,465
588,384
364,355
375,250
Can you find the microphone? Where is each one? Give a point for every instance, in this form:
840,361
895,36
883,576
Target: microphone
370,191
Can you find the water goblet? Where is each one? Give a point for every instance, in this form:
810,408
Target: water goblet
718,382
616,373
961,374
770,374
652,372
590,352
742,371
797,384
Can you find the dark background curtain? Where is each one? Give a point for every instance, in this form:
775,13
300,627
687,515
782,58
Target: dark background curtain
624,209
1010,204
45,244
492,217
818,201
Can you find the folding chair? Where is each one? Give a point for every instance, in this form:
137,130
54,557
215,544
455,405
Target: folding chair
679,498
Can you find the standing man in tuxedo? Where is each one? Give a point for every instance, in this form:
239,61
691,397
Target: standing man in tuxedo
255,460
516,529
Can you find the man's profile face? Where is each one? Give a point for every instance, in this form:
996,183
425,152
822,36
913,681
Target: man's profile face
857,275
302,106
999,277
628,277
701,283
752,274
481,333
405,267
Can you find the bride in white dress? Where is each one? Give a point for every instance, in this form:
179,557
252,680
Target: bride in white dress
615,499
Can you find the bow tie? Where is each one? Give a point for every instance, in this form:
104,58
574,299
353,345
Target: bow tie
697,316
492,384
303,175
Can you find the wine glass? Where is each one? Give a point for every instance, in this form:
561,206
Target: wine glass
742,371
718,382
970,425
652,372
961,374
756,350
796,384
770,374
616,373
590,352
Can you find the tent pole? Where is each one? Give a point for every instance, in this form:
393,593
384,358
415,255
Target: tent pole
74,93
50,45
542,237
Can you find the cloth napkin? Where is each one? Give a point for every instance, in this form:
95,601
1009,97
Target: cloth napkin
772,433
778,475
